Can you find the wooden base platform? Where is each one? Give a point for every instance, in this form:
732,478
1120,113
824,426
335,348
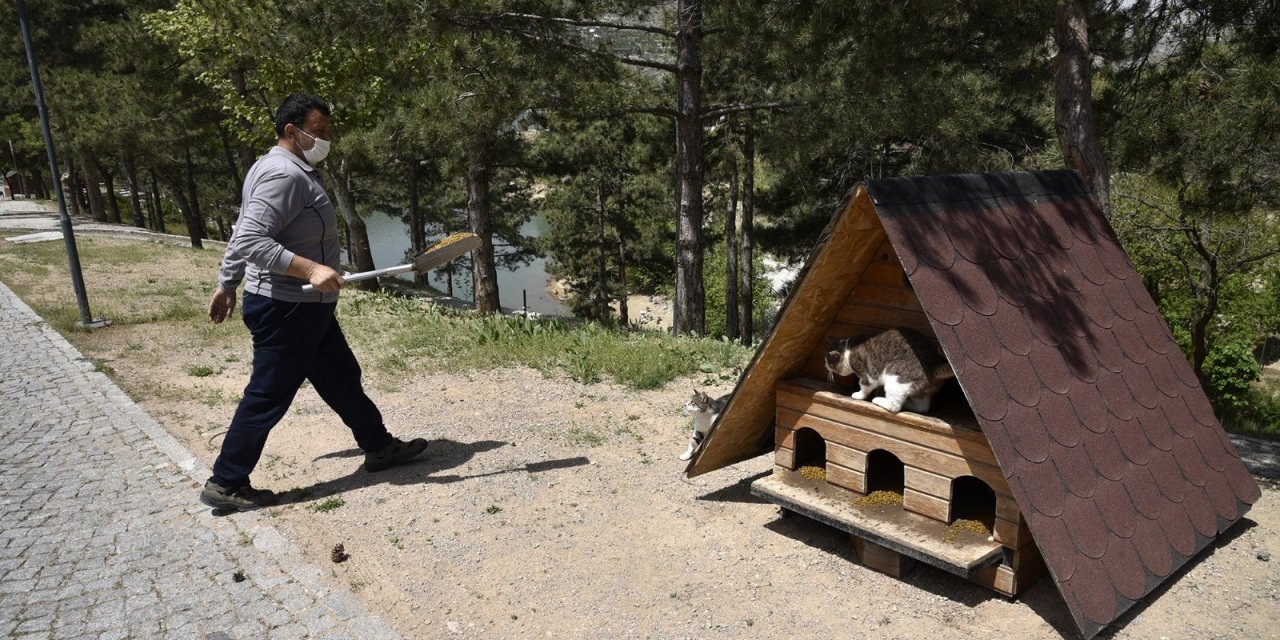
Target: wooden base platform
895,529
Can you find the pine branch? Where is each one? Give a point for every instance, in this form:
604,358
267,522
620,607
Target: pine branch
715,112
621,26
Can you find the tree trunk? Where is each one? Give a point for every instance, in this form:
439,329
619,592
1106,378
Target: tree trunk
157,222
131,175
237,182
748,213
195,219
731,255
178,189
71,188
602,258
92,176
246,153
484,272
417,226
1073,103
113,207
359,252
624,314
690,297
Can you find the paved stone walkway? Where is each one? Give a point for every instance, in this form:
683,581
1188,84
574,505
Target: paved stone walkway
101,535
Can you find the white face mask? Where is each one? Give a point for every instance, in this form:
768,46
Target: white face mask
319,149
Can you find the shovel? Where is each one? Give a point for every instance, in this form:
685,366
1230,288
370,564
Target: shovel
437,254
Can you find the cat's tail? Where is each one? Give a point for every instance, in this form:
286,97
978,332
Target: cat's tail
943,371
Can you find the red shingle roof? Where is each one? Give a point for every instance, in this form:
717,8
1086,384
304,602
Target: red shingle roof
1097,420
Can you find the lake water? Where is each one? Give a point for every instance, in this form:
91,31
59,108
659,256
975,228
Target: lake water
389,240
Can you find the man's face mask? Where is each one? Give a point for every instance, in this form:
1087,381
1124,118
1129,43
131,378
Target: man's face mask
319,149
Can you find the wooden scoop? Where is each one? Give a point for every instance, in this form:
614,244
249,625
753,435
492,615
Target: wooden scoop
437,254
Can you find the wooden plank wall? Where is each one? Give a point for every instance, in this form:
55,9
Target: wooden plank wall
932,452
881,299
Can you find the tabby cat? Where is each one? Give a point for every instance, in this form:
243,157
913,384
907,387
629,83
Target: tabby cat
905,363
704,411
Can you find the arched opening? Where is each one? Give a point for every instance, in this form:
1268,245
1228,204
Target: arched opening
884,472
973,499
811,449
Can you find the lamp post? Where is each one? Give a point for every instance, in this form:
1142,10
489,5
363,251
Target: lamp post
68,236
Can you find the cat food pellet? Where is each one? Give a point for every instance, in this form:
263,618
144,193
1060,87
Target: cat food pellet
813,472
879,498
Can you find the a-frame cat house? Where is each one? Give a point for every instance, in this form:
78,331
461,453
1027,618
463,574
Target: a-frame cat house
1074,419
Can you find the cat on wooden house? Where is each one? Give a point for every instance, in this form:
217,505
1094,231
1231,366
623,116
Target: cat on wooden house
704,411
905,363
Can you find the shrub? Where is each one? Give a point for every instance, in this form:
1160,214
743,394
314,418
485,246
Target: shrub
1230,369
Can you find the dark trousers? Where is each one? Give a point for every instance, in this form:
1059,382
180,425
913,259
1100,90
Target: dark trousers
292,342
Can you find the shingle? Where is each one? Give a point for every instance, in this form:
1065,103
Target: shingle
1140,296
1095,305
1105,453
977,340
1183,370
1178,530
1125,569
1152,547
975,290
1200,510
1059,419
968,233
1115,394
1057,226
1022,218
1143,390
1089,407
1076,469
1163,377
1085,526
1179,418
1154,332
1140,487
1157,430
1004,276
1042,488
1132,439
1090,265
984,391
1106,349
1117,510
1051,533
1050,368
1169,480
1132,345
933,247
944,305
1222,497
1010,328
1200,409
1213,453
1118,297
1026,433
1190,463
1020,381
1093,592
1114,259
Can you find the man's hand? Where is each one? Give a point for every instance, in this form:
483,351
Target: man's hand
325,279
222,304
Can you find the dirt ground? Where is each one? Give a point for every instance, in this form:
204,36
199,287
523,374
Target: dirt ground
546,508
550,509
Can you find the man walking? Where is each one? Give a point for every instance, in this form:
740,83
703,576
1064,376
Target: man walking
286,237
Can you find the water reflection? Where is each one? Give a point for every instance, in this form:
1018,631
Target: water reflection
389,240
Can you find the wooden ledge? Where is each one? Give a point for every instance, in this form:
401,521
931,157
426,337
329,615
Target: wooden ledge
892,527
949,420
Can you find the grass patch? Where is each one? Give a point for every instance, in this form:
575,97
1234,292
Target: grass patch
164,290
329,504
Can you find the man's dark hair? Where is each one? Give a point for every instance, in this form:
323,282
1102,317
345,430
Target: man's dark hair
295,108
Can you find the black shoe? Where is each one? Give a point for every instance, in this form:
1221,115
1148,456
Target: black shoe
244,498
398,452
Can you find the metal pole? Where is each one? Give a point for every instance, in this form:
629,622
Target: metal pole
68,236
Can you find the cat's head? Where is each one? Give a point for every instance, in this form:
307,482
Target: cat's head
838,361
698,402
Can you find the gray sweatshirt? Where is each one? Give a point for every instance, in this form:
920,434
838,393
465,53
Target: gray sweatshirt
285,211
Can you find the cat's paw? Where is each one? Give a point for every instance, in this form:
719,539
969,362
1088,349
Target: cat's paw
859,395
887,404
